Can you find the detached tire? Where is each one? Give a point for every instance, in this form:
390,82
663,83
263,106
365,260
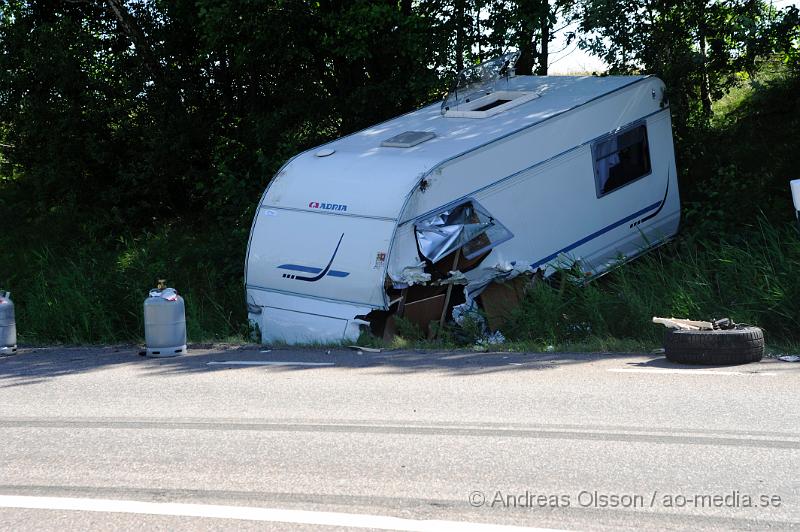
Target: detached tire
732,346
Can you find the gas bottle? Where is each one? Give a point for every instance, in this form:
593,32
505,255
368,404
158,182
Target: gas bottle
8,325
164,322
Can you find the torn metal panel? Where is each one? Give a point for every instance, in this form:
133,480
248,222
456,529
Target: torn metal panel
467,226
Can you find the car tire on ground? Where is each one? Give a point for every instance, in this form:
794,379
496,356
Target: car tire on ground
732,346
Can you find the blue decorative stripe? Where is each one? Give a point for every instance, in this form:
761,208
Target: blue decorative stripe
298,268
596,234
311,269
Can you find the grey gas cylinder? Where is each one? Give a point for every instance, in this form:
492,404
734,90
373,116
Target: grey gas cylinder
164,323
8,325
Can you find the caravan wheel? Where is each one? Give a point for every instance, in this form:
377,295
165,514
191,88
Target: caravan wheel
732,346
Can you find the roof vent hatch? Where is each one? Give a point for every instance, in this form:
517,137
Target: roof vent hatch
407,139
490,104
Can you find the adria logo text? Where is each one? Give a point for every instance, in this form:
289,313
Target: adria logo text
327,206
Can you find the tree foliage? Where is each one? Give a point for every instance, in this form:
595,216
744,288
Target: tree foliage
139,113
699,47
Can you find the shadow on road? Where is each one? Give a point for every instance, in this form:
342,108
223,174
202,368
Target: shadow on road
32,366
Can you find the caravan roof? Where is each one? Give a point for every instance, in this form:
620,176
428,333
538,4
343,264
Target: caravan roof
556,94
373,180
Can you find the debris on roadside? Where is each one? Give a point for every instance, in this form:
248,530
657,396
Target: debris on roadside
711,342
365,349
789,358
694,325
684,324
467,311
495,338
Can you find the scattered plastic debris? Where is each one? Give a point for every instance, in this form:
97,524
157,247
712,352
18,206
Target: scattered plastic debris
455,277
681,323
170,294
365,349
467,311
494,338
694,325
790,358
415,275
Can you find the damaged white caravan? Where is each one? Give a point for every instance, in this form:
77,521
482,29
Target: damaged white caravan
509,175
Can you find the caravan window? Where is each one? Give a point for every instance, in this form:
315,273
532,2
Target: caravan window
621,159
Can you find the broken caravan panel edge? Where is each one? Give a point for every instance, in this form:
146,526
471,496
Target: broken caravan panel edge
414,184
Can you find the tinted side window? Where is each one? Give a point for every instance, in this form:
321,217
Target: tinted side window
620,159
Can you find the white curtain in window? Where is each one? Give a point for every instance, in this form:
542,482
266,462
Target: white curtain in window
605,156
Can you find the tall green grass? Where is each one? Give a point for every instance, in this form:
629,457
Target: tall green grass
752,277
93,293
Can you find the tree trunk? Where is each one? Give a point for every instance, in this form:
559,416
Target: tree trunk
130,28
527,13
705,90
524,65
544,31
458,16
477,37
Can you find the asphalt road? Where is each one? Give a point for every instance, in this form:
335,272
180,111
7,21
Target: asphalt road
106,439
